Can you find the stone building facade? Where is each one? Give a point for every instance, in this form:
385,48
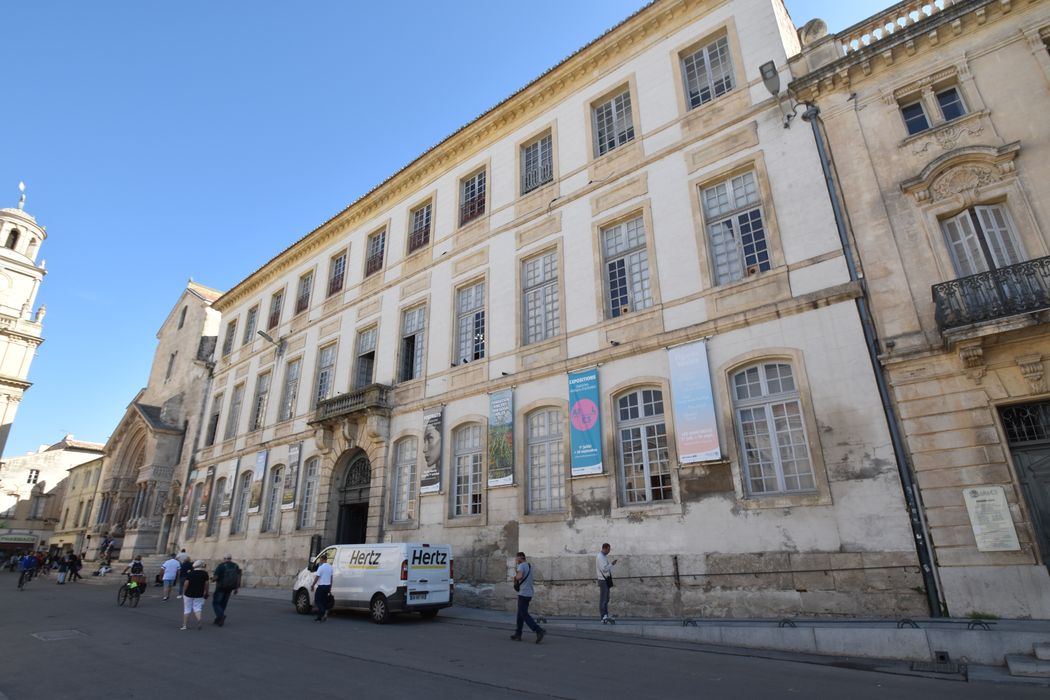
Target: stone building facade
72,531
637,214
932,116
21,327
151,448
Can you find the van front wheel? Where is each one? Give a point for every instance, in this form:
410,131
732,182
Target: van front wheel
302,602
379,610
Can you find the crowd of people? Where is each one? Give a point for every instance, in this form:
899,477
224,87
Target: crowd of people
65,565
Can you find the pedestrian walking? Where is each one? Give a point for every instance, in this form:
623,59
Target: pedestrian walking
322,587
169,571
227,577
523,585
63,569
605,581
74,567
194,593
185,567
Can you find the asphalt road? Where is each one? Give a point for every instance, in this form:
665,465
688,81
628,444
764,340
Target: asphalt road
73,641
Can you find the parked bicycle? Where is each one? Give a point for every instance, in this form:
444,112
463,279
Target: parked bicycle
131,591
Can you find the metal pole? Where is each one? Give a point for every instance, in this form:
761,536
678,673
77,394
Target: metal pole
933,598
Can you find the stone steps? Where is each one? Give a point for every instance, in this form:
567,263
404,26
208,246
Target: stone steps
1028,666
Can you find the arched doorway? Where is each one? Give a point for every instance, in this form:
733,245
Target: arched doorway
352,499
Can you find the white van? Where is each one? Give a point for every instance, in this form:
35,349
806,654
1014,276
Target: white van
383,579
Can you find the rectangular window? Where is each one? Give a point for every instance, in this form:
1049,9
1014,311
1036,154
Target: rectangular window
708,73
626,268
250,322
546,463
419,236
412,328
364,371
276,302
171,366
951,104
336,274
231,333
302,297
405,480
291,389
376,247
308,507
470,323
915,118
34,476
467,456
537,163
612,123
273,503
472,197
213,420
982,238
325,373
244,485
541,311
234,416
735,230
258,414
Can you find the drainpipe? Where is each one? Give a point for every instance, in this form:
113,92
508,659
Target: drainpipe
911,497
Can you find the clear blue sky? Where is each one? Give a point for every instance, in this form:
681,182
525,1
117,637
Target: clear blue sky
163,141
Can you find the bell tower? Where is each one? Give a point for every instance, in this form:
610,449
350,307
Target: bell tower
21,325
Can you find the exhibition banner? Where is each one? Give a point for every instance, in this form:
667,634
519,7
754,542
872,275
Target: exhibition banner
501,438
693,403
585,425
209,481
227,492
184,511
255,493
430,479
291,477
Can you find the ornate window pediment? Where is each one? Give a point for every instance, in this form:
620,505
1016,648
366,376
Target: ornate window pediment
962,172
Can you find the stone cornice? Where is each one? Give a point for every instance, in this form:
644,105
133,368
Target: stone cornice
629,37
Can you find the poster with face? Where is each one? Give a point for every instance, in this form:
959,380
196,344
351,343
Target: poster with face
430,480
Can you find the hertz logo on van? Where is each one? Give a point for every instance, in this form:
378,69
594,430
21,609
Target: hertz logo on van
364,560
429,560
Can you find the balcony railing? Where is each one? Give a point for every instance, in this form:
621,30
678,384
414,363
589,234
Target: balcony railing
986,296
373,396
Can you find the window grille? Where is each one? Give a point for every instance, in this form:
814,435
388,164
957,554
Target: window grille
376,248
537,164
420,232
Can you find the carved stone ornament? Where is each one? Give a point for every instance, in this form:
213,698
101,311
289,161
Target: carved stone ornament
948,137
1033,371
972,356
963,179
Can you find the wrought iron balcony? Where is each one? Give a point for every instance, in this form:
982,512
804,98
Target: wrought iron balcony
987,296
373,396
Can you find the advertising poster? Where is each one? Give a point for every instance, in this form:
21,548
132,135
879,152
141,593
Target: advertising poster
255,492
430,479
585,425
184,511
693,403
501,438
291,477
209,481
227,493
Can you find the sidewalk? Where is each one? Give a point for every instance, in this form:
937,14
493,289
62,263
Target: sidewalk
982,645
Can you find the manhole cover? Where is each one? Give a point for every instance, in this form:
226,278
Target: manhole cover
56,635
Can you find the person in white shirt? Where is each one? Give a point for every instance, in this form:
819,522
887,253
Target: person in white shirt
169,570
604,570
322,587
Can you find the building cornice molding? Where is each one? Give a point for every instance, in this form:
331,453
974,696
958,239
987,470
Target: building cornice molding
633,35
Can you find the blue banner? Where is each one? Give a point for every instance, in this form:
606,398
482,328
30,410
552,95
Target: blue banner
585,425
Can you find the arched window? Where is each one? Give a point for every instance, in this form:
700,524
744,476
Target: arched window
466,457
12,239
273,503
771,430
642,445
31,248
195,505
405,457
216,504
545,461
243,486
308,505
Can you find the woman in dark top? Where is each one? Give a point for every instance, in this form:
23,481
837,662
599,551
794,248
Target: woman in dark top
194,591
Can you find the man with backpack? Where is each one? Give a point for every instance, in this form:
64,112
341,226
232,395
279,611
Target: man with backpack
227,577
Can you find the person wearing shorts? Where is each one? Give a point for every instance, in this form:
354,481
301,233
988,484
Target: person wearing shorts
194,592
169,570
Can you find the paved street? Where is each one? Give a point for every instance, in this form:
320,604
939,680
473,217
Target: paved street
266,650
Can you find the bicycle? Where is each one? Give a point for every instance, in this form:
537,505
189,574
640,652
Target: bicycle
25,577
131,591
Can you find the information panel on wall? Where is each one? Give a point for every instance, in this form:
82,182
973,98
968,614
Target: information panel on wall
501,438
993,526
585,425
693,403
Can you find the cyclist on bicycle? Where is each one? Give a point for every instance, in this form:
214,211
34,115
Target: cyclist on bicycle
28,565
